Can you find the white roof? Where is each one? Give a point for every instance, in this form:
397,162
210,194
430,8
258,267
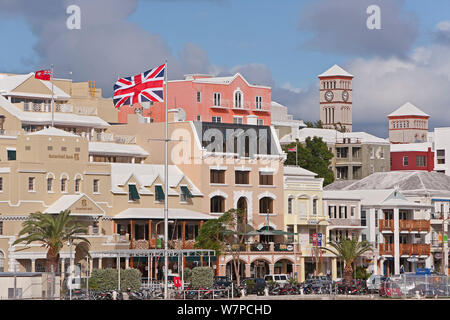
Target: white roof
118,149
297,171
408,109
146,174
340,195
335,71
158,213
404,147
332,136
9,83
225,80
52,132
66,201
45,118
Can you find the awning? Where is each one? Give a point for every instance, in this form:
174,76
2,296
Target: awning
186,191
269,233
134,195
159,193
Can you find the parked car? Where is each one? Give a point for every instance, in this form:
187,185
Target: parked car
374,282
222,281
278,278
254,285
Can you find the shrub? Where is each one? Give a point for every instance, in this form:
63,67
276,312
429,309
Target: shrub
202,277
187,274
361,273
106,279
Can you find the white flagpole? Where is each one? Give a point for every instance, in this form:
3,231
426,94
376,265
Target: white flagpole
296,157
166,190
53,104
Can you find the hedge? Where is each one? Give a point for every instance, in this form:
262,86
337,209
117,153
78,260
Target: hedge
106,279
202,277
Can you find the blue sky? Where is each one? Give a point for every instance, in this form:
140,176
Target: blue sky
284,44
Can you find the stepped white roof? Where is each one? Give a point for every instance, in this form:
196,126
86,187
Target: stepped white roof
45,118
146,174
298,171
332,136
335,71
118,149
9,83
52,132
408,109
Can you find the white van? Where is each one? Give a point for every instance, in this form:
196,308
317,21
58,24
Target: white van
278,278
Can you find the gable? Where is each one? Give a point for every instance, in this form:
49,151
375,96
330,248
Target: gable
33,85
85,206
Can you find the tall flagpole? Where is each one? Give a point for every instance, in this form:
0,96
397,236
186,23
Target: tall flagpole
166,198
53,103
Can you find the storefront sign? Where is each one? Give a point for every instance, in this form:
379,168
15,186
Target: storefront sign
75,156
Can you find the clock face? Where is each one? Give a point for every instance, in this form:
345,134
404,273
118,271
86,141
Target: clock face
329,95
345,96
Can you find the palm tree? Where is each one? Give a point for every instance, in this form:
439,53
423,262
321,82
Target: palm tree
53,231
348,250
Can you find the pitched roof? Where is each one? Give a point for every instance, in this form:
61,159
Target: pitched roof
298,171
117,149
146,174
407,182
9,83
408,109
45,118
66,201
335,71
53,132
331,135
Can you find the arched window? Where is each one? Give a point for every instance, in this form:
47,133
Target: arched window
266,205
238,99
290,202
217,204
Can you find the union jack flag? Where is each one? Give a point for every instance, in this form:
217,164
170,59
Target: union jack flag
147,86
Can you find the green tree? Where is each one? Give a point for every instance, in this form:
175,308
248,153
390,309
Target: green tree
317,124
106,279
52,231
225,235
313,156
202,277
348,250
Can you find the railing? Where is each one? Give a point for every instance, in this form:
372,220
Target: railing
264,107
110,137
415,249
10,132
405,249
386,249
348,141
260,247
414,225
386,225
345,222
44,107
83,110
283,247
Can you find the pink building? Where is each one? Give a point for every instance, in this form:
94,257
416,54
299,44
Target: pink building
210,99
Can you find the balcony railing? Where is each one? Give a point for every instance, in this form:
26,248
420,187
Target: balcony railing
155,244
415,249
110,137
345,222
405,225
386,225
245,105
414,225
405,249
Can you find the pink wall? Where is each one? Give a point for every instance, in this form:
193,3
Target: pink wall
183,94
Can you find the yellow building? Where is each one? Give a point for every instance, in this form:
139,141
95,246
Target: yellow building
305,216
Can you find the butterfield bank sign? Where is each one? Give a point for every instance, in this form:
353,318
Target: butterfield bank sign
74,156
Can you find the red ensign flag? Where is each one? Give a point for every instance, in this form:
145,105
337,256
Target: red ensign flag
43,74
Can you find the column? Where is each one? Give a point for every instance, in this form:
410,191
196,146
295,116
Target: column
445,233
302,269
333,268
99,263
375,264
33,265
127,263
132,233
91,265
247,270
183,232
396,242
271,268
149,234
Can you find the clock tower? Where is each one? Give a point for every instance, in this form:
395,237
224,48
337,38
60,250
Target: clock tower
336,98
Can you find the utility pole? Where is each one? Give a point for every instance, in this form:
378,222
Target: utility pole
15,279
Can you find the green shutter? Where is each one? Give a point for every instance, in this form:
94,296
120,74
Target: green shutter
186,191
11,154
159,193
133,193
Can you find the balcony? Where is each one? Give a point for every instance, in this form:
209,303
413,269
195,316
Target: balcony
405,225
405,249
110,137
154,244
261,107
270,247
414,225
345,222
